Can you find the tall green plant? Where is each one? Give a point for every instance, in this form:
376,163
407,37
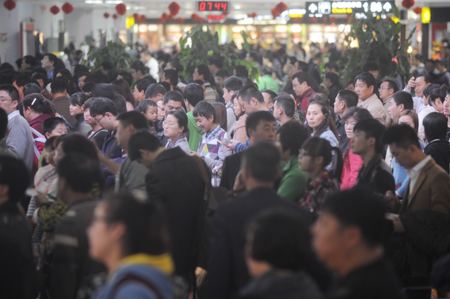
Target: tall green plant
205,45
379,41
113,52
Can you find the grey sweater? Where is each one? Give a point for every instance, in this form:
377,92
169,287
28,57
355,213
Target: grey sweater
20,138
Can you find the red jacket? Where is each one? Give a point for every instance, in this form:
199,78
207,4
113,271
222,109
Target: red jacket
352,164
37,122
303,100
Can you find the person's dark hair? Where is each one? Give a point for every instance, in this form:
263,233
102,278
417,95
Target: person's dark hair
233,83
418,57
78,99
80,171
334,78
349,97
134,118
266,70
112,75
280,238
37,103
221,115
426,77
358,208
145,224
217,61
106,65
319,147
52,58
302,66
193,93
254,118
6,66
22,79
142,85
166,85
262,161
11,90
173,96
142,140
175,63
271,93
292,135
59,85
154,89
30,88
287,103
222,73
50,143
172,75
100,106
30,60
429,89
121,87
181,119
327,122
367,78
241,71
292,60
304,77
104,90
145,104
372,128
76,143
332,65
405,98
50,124
42,77
414,117
138,66
391,85
435,125
204,109
126,76
203,69
371,66
15,175
250,91
3,123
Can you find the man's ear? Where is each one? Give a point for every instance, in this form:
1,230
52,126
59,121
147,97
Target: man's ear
254,102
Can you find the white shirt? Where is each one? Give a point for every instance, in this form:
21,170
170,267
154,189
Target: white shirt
418,101
153,65
424,112
13,114
414,173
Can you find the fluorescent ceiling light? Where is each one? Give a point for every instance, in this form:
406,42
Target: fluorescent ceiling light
93,1
237,6
113,1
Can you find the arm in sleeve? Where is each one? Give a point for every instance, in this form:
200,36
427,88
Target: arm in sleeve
16,140
134,176
440,193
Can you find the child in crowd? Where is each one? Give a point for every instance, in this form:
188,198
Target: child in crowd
211,148
51,127
150,111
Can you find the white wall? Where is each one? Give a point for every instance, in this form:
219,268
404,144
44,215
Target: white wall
9,28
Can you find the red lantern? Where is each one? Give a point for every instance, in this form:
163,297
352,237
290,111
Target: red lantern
54,9
121,9
408,3
136,17
333,20
418,10
252,15
115,16
67,8
165,16
161,20
180,20
106,15
9,4
142,18
275,13
197,18
281,7
174,8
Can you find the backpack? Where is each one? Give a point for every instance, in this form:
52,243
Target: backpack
38,147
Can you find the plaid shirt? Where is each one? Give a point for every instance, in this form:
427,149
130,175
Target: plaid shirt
240,147
316,192
212,134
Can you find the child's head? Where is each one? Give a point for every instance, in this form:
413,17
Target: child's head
149,109
205,116
54,126
50,150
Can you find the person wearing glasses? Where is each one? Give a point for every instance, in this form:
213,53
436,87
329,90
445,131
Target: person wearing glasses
173,100
176,129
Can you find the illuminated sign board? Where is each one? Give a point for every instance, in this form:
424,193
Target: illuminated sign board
319,9
212,6
215,18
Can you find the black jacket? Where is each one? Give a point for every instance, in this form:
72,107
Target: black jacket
227,268
376,177
175,181
230,169
439,150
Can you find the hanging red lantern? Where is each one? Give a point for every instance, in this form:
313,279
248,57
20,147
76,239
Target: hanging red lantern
161,20
165,16
418,10
252,15
106,15
54,9
174,8
275,13
408,3
333,20
9,4
281,7
197,18
142,18
136,17
180,20
170,17
67,8
115,16
121,9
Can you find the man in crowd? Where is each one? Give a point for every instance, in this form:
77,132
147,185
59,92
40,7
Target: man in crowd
139,89
304,87
61,100
386,90
365,84
418,83
333,84
20,81
138,70
202,73
400,102
314,68
151,63
345,99
284,109
48,63
20,138
155,92
221,76
231,86
193,94
418,68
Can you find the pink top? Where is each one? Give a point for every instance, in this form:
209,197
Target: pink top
352,164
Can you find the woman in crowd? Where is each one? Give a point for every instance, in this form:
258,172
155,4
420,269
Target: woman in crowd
76,109
315,154
290,138
352,162
176,129
438,147
221,114
97,133
121,87
321,123
36,109
131,238
239,132
71,86
79,79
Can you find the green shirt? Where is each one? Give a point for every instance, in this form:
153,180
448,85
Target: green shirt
267,82
293,181
195,133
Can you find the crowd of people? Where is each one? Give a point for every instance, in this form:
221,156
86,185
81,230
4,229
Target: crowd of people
140,184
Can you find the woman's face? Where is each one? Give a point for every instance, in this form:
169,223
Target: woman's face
75,110
237,107
99,234
349,125
314,116
171,127
305,161
406,120
81,82
88,118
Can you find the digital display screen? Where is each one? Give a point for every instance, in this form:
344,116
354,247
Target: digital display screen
212,6
318,9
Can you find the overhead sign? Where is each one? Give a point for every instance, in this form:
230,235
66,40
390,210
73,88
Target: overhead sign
319,9
212,6
215,18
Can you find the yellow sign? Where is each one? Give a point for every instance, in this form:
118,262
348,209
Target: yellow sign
129,22
426,15
341,10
